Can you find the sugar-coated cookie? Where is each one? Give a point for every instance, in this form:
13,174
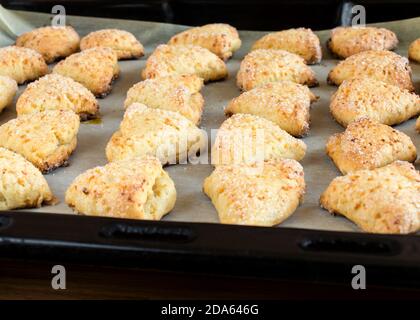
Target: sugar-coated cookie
44,138
122,42
366,97
382,65
95,68
52,42
285,103
22,185
301,41
133,189
346,41
383,200
57,92
184,59
220,38
253,195
248,139
367,144
268,65
164,134
22,64
180,93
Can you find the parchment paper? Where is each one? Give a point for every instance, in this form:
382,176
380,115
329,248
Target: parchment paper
192,205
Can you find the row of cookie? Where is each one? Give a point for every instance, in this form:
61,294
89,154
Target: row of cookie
54,96
378,194
138,188
369,153
249,194
388,104
97,67
56,42
86,199
221,39
382,200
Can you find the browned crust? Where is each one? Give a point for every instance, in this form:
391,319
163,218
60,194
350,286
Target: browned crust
103,94
58,158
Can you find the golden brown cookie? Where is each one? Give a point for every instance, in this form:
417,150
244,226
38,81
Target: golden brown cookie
220,38
8,88
95,68
133,189
285,103
418,124
414,50
44,138
367,144
52,42
184,59
383,200
346,41
22,185
366,97
56,92
250,195
180,93
268,65
301,41
122,42
383,65
22,64
164,134
248,139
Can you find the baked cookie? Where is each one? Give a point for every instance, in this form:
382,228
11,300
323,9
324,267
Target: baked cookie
414,50
301,41
56,92
220,38
366,97
95,68
134,189
249,195
44,138
8,88
384,65
248,139
144,131
52,42
346,41
268,65
367,144
21,64
22,185
418,124
383,200
285,103
184,59
179,93
122,42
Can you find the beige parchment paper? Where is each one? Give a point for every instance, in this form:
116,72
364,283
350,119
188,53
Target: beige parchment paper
192,205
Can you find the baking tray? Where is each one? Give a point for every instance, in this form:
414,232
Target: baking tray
190,237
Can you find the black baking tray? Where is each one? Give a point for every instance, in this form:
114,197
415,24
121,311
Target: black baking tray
284,253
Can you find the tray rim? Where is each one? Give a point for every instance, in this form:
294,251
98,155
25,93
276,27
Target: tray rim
261,252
